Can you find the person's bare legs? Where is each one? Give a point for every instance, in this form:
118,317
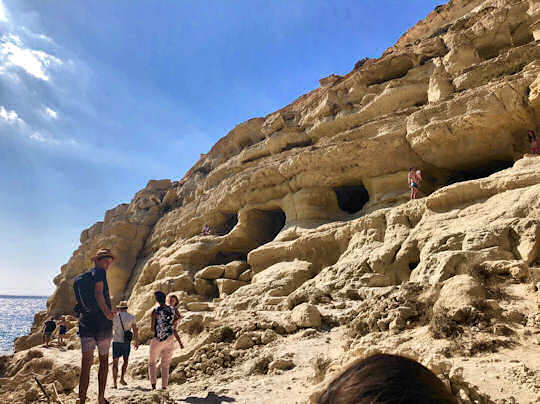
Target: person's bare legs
86,364
102,376
124,368
115,371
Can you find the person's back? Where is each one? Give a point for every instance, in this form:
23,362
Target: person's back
164,322
92,321
387,379
162,345
122,322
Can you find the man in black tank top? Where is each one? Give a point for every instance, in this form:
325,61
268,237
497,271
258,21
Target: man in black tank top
95,328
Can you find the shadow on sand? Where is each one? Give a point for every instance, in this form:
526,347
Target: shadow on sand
211,398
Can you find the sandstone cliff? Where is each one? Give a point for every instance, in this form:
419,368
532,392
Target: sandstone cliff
312,228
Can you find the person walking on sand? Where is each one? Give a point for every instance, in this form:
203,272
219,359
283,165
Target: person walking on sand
95,321
62,329
414,179
123,323
174,302
532,140
48,329
162,344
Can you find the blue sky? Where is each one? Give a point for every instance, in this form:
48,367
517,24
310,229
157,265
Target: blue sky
98,97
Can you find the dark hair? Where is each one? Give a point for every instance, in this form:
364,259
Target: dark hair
531,135
160,297
387,379
174,297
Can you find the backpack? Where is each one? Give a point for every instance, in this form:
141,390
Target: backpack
83,286
50,326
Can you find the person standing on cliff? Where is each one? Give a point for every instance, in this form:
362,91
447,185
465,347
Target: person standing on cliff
414,178
48,329
95,322
123,323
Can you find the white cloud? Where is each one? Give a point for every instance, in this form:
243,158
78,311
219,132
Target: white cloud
38,136
34,62
11,117
3,13
51,113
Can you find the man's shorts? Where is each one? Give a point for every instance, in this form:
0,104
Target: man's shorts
121,349
47,334
88,344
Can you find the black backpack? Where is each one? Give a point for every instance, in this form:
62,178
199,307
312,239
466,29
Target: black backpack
83,286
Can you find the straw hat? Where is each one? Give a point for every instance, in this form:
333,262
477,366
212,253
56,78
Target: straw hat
122,305
103,253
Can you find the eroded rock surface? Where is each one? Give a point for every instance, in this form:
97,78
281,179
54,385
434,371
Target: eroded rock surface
313,240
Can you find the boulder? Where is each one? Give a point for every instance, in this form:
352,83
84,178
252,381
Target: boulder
228,286
211,272
306,316
457,294
234,269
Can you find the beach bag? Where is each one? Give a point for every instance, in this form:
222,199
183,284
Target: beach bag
128,335
83,286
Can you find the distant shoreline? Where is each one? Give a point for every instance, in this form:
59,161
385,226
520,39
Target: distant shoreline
24,296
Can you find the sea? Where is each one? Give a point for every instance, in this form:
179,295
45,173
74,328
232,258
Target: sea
16,317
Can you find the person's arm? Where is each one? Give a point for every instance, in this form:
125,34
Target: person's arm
135,335
100,299
153,321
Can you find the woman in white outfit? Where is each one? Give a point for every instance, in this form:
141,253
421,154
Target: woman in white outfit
162,344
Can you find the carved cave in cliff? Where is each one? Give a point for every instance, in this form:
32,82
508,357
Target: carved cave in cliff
231,220
268,224
352,199
479,171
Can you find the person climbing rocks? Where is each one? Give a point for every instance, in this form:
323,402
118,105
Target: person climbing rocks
205,230
123,336
162,344
174,302
414,178
388,379
95,321
48,329
532,140
62,329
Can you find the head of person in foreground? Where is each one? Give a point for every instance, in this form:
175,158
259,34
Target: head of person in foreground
387,379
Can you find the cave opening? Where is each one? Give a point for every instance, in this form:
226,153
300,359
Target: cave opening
231,220
482,171
352,199
225,257
268,224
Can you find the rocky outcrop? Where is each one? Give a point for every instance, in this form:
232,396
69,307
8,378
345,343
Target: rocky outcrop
311,228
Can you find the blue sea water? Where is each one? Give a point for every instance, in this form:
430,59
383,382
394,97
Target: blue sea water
16,317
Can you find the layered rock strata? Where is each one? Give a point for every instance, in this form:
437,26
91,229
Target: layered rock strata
310,224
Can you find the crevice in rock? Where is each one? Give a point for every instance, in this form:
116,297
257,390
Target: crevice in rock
290,146
480,171
225,257
352,199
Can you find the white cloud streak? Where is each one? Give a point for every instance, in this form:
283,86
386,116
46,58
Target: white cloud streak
3,13
34,62
10,117
51,113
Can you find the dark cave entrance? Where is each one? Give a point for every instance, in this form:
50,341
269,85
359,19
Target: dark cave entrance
231,220
352,199
224,257
268,224
482,171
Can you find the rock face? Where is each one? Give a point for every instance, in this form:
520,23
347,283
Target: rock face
310,224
